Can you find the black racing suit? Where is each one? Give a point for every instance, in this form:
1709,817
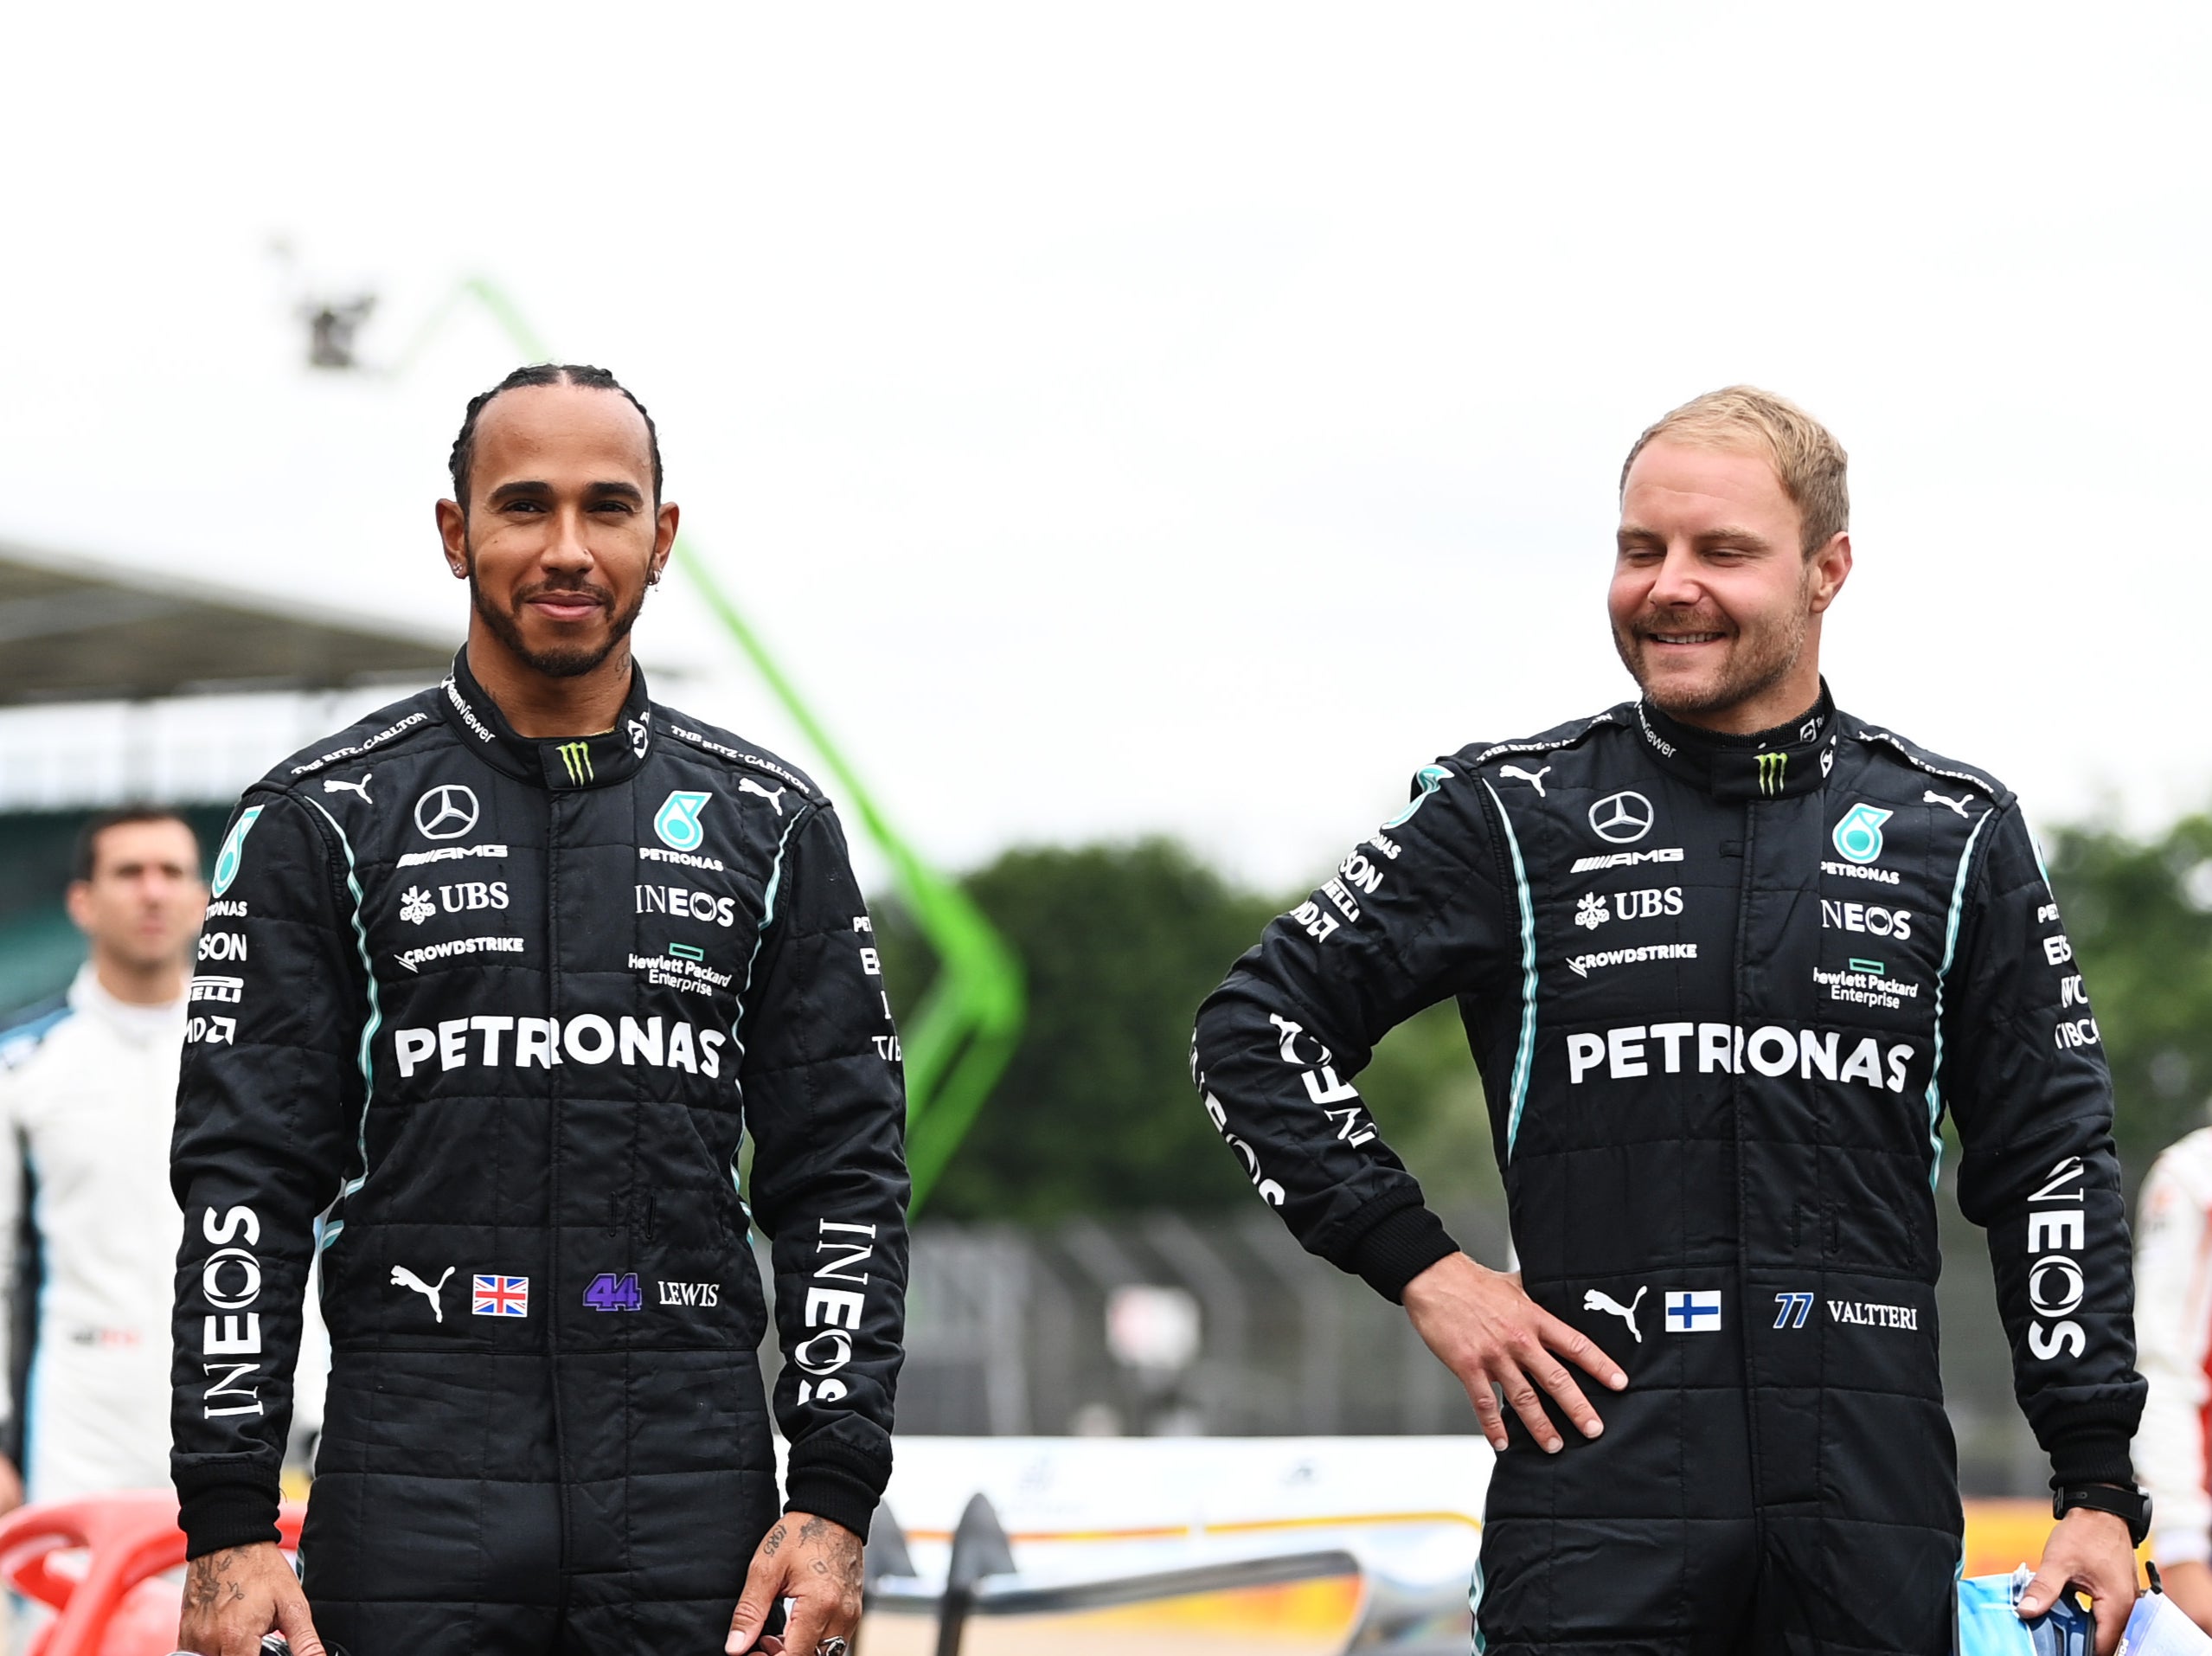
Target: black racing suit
486,1019
1722,992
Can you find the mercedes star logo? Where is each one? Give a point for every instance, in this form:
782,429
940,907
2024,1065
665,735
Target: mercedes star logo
449,811
1622,818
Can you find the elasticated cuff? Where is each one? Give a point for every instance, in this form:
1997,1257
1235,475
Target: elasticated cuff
227,1515
1399,1248
2095,1456
831,1493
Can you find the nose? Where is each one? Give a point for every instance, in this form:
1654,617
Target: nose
565,549
1677,586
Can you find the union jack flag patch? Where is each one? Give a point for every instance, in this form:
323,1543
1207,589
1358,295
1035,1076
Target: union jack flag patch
501,1296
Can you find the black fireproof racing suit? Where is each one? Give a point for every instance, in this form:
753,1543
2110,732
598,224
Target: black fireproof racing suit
504,1008
1721,991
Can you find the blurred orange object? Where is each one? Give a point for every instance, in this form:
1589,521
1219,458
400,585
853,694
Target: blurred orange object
2001,1534
115,1604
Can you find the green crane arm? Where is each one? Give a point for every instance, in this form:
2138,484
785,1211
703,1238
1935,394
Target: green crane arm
960,1038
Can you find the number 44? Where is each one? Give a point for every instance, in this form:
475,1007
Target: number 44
611,1293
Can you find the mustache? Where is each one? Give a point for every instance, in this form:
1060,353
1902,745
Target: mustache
588,591
1678,621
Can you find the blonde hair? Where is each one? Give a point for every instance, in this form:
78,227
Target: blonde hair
1806,458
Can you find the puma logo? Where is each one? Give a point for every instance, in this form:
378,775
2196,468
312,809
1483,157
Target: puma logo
1599,1300
774,796
1535,779
331,785
403,1278
1931,797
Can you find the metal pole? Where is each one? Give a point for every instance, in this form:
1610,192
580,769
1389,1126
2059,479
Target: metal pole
1223,1295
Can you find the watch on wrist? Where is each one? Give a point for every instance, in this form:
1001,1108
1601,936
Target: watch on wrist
2132,1506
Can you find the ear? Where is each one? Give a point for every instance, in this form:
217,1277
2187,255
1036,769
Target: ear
79,900
1827,569
454,531
665,523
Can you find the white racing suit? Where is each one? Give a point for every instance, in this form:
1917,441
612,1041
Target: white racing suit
87,1243
2173,1329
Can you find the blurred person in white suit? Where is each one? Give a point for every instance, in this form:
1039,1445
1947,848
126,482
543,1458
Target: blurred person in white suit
87,1223
2173,1332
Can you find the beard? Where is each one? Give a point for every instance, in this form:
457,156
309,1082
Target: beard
562,661
1759,657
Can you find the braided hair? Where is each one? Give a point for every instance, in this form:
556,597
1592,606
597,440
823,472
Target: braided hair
597,379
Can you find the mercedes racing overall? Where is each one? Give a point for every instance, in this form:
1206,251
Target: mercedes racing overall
1722,992
486,1019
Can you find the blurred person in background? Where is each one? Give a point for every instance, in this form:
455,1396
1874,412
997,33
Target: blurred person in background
87,1226
2173,1331
515,967
1726,956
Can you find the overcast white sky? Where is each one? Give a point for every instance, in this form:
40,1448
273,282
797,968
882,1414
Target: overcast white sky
1180,417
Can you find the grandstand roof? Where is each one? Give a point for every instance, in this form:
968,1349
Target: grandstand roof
71,629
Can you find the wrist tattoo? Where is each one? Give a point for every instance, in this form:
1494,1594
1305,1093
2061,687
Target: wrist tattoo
213,1579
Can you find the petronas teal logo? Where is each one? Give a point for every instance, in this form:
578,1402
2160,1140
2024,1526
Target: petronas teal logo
234,850
678,820
576,759
1772,768
1857,838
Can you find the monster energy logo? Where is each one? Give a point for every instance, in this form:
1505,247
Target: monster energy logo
1772,768
577,756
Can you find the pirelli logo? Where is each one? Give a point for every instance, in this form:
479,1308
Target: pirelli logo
576,759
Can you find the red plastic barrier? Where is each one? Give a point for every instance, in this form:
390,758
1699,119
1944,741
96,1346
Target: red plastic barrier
117,1607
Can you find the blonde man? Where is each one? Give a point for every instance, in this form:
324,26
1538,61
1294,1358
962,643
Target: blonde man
1727,956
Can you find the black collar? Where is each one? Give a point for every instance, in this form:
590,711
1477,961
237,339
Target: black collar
553,762
1790,759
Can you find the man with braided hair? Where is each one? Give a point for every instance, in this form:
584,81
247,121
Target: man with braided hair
495,986
1727,956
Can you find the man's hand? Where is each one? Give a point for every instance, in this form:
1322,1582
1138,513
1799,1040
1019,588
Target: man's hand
814,1563
2189,1584
11,1485
1486,1330
2090,1550
232,1597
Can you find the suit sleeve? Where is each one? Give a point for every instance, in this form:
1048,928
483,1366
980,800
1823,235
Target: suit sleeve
2025,1079
2173,1307
825,1103
271,1088
1415,914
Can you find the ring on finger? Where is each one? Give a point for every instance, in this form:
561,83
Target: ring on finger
832,1645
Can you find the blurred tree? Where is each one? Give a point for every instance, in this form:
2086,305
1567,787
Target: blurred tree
2139,915
1096,1113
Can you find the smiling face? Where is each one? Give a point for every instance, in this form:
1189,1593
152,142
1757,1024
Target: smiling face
1716,605
561,535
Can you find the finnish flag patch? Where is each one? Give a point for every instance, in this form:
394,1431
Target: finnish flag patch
1694,1311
